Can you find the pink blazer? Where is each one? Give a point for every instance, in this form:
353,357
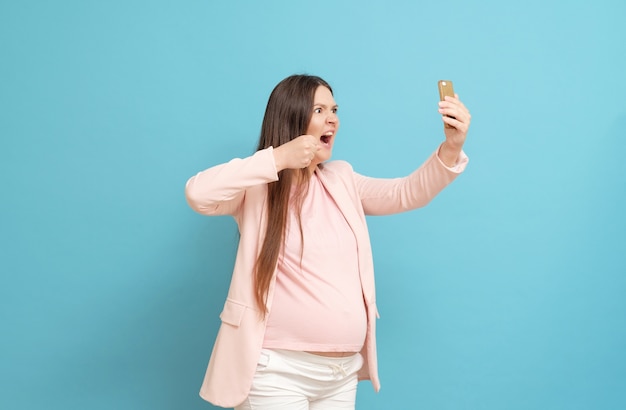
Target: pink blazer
238,188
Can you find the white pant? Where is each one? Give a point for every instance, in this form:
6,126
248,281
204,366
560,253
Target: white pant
288,380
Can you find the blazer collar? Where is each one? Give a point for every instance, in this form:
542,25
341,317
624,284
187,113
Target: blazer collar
339,191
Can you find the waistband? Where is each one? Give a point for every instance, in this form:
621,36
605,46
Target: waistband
311,357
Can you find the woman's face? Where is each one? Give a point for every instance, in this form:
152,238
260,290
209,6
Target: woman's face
324,123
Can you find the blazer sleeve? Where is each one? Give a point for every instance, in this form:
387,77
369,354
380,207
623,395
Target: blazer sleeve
220,190
389,196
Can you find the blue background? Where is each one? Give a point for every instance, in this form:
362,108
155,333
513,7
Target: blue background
507,292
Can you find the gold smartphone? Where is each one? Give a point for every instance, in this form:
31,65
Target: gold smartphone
446,88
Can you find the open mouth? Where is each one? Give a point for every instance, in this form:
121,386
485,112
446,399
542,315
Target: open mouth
326,137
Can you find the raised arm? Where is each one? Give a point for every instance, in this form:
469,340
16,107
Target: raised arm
220,190
387,196
381,196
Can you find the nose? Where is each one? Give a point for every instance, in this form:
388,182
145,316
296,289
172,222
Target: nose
332,118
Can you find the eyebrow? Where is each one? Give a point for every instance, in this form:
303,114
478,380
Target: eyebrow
324,105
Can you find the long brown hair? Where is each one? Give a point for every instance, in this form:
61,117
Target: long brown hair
287,116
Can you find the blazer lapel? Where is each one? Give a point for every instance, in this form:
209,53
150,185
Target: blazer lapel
339,192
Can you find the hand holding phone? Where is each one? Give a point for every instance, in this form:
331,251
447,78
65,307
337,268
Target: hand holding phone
446,88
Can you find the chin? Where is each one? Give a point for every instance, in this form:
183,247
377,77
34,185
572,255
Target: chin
324,157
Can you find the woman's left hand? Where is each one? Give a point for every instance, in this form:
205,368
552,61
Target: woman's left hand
455,136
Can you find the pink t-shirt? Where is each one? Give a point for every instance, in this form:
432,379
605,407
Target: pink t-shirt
318,302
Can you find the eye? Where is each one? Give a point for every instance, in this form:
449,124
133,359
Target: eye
334,110
317,110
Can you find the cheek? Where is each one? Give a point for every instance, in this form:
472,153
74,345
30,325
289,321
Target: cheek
314,127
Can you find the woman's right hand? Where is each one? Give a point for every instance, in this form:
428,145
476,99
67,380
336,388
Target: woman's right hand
297,153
